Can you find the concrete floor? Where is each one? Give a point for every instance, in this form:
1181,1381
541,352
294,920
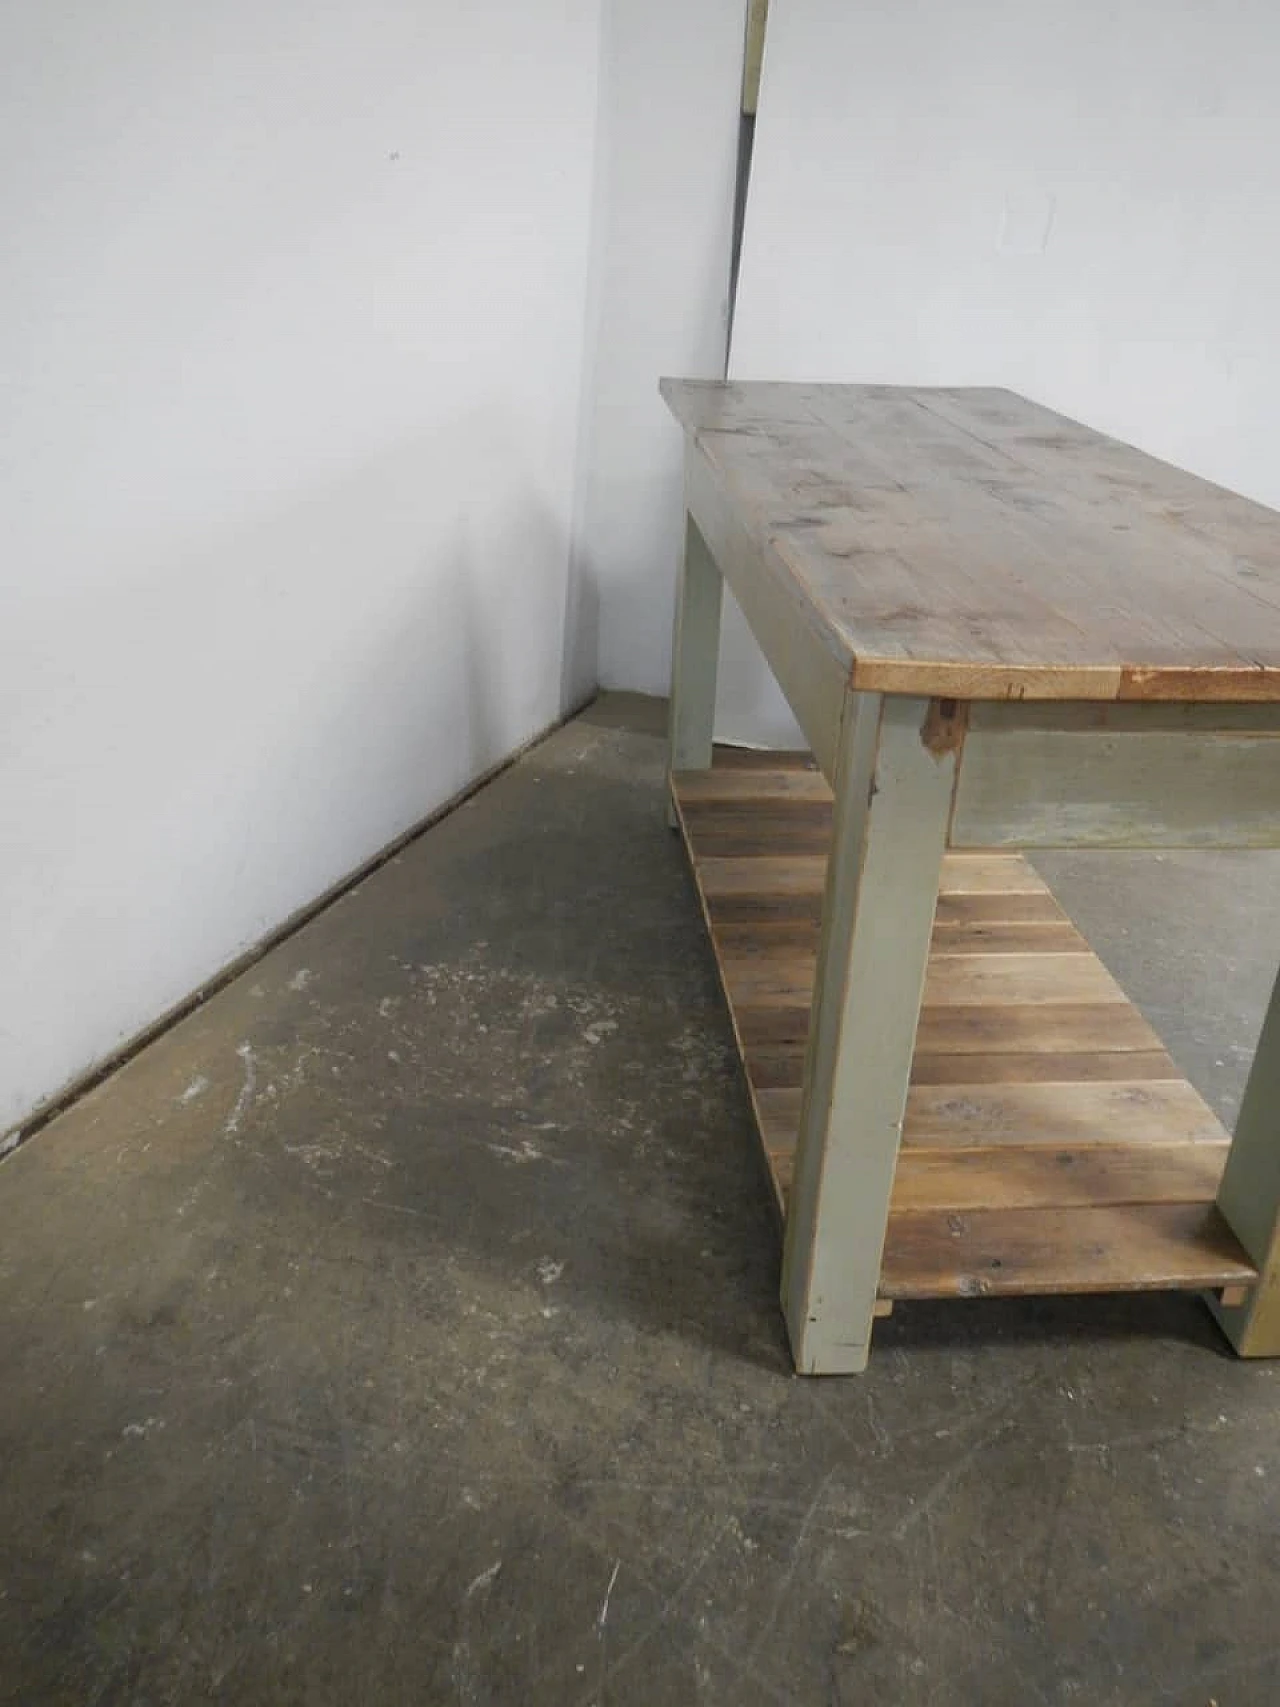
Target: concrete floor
402,1328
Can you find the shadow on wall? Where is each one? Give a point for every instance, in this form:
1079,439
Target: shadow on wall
580,656
206,738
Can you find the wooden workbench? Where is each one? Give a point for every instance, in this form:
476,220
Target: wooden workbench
998,630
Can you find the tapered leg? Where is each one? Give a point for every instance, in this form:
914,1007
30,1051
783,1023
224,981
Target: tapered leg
695,650
893,795
1249,1197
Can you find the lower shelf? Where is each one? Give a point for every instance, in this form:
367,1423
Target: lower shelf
1049,1144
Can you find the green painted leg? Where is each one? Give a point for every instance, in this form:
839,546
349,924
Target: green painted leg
1249,1197
893,796
695,649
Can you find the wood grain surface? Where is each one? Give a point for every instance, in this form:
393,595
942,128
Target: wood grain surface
1049,1144
968,543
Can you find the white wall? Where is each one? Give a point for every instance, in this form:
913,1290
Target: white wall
291,315
1081,202
671,85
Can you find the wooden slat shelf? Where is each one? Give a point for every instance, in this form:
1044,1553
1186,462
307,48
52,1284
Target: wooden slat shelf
1050,1144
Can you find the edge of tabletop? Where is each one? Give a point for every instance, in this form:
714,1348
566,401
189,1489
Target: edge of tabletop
942,678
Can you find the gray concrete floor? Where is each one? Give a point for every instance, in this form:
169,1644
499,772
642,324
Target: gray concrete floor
402,1328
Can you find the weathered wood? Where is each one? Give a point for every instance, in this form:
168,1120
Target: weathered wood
740,783
996,907
1131,1247
1083,1067
989,874
805,662
767,931
695,647
1050,1105
778,1064
780,759
1249,1197
969,544
1042,1115
955,548
1056,1027
739,829
771,971
892,798
1049,1177
1132,1111
781,878
957,981
1035,937
946,1182
1182,776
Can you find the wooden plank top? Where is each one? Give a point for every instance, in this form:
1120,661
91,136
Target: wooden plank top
969,544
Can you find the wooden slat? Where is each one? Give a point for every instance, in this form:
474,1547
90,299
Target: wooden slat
1007,1177
1122,1111
1126,1248
1083,1067
784,973
758,908
1149,1111
778,1111
743,783
946,1181
767,968
778,1064
754,758
989,874
1049,1027
769,933
1036,937
1025,979
781,875
753,829
999,908
775,1026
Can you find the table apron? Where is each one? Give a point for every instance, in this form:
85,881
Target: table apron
1107,776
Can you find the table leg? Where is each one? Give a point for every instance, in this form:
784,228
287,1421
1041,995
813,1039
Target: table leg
1249,1197
695,649
894,776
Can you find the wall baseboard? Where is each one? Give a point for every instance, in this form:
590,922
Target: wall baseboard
49,1110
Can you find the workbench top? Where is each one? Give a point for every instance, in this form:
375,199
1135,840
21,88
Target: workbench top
970,544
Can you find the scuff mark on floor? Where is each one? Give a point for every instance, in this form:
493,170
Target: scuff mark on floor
483,1581
232,1126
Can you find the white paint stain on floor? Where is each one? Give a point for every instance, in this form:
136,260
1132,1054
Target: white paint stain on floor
245,1052
483,1581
